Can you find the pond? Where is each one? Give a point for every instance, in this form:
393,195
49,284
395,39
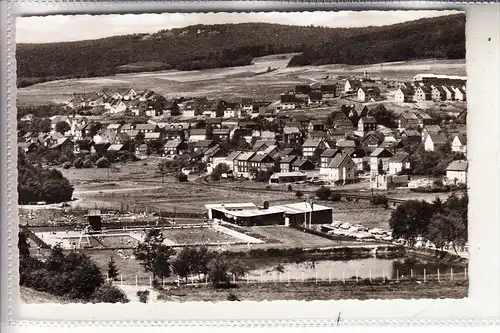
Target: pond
374,268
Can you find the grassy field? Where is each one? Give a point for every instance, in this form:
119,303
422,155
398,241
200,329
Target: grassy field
320,291
197,236
233,82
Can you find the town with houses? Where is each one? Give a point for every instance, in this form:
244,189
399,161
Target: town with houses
343,144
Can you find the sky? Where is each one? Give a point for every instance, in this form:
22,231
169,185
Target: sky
62,28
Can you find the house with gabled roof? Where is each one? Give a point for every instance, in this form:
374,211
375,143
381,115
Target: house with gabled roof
203,145
302,164
434,141
404,95
428,129
422,93
316,125
379,160
262,162
310,146
291,135
352,85
231,158
367,124
196,135
174,147
147,128
372,140
341,168
221,134
424,119
358,157
368,94
398,162
346,144
438,93
261,145
408,120
329,91
242,164
460,94
247,104
343,124
457,171
152,136
287,102
286,163
314,98
459,144
326,157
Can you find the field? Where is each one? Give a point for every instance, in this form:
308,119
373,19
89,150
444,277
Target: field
289,237
320,291
195,236
233,82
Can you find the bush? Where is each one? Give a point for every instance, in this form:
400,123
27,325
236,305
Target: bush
323,193
289,188
87,164
143,296
379,199
299,194
232,297
78,163
335,196
103,162
181,177
66,165
107,293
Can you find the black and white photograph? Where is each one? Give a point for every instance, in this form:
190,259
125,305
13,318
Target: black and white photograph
263,156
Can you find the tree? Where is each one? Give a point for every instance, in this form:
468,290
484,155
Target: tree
411,220
66,165
154,255
384,117
219,169
183,263
323,193
238,268
103,162
299,194
78,163
22,245
218,272
107,293
87,164
112,269
143,295
162,170
62,127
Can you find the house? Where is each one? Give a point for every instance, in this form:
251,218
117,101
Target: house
286,163
460,94
346,144
231,110
222,134
315,98
83,146
430,129
372,140
271,150
336,134
291,135
284,177
174,147
459,144
192,108
412,136
329,91
352,85
117,147
152,136
213,108
147,128
404,95
231,159
326,157
408,120
438,93
302,90
63,145
287,102
28,117
261,162
214,156
422,93
339,116
174,132
424,119
261,145
341,168
379,161
114,127
457,171
203,145
106,135
450,93
241,166
367,124
358,157
343,124
302,164
317,135
196,135
303,120
316,125
117,106
247,104
141,149
434,141
310,146
368,94
388,182
215,122
399,162
26,147
138,107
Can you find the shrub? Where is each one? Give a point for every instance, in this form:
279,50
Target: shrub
78,163
232,297
323,193
87,164
103,162
289,188
335,196
143,296
66,165
181,177
379,199
438,183
299,194
107,293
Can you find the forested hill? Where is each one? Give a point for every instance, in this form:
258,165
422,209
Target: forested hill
441,38
210,46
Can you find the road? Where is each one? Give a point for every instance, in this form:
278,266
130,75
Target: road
116,190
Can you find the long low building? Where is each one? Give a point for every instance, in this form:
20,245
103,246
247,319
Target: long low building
249,214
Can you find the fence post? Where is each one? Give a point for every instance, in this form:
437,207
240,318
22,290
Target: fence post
150,281
136,279
302,276
163,282
465,273
330,276
261,277
397,275
424,275
439,280
316,276
206,279
383,276
178,280
357,276
343,277
234,278
370,272
451,273
121,280
411,273
247,279
288,277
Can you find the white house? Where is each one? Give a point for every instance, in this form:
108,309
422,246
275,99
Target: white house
117,106
404,95
399,162
457,171
434,141
459,144
460,94
341,168
352,85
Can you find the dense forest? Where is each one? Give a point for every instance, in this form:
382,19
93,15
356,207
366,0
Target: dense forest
440,38
225,45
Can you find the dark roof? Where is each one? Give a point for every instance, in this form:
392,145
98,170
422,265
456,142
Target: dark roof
460,165
380,151
300,118
302,89
203,143
337,160
399,157
301,161
315,95
368,120
288,159
438,138
328,88
329,153
260,157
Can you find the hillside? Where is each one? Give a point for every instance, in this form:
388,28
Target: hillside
226,45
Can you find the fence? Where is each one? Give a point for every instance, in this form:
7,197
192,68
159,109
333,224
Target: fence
450,275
